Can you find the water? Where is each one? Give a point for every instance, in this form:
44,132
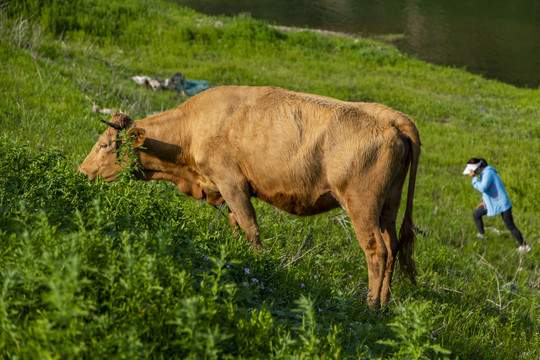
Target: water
499,39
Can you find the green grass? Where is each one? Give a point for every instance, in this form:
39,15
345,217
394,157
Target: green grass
137,270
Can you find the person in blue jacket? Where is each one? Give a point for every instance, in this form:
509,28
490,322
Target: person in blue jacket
495,200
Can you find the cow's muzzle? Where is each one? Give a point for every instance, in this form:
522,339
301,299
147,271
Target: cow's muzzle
81,170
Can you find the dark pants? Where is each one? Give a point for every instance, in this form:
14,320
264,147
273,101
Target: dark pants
507,218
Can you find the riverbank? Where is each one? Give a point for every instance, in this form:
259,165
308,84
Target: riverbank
134,269
389,38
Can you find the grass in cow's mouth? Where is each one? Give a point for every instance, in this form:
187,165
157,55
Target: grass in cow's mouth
133,269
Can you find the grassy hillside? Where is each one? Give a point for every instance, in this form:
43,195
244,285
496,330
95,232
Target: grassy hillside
137,270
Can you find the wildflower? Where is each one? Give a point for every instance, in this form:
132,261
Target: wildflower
320,310
315,276
302,285
254,280
246,270
245,283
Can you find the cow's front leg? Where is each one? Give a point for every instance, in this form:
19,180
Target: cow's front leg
232,222
242,212
230,217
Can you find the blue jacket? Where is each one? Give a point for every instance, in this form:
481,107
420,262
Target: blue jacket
493,191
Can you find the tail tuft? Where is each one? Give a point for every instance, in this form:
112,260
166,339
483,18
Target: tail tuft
406,251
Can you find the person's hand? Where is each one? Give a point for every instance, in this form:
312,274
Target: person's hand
471,174
482,204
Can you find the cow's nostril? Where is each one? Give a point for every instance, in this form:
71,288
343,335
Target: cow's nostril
81,170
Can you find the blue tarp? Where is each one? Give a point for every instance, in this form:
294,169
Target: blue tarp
193,87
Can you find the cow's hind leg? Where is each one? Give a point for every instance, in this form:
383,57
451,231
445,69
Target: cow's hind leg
372,200
364,213
387,222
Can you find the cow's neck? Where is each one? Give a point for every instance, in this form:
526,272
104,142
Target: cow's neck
165,153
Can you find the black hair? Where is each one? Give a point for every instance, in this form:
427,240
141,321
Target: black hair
482,161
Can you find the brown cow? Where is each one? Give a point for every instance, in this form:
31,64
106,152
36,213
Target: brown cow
304,154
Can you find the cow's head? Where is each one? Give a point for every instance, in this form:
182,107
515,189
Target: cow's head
102,160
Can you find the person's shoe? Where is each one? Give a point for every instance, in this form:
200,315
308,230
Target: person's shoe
524,248
481,236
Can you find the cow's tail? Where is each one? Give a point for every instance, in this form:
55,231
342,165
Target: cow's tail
406,233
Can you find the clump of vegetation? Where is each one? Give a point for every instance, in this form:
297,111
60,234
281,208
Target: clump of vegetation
135,269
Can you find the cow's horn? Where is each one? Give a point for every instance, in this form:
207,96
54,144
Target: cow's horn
114,125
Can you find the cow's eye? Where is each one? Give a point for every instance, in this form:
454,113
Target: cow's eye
103,146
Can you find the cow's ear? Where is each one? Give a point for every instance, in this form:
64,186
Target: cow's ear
139,134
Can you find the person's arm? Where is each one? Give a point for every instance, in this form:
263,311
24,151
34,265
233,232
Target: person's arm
483,183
